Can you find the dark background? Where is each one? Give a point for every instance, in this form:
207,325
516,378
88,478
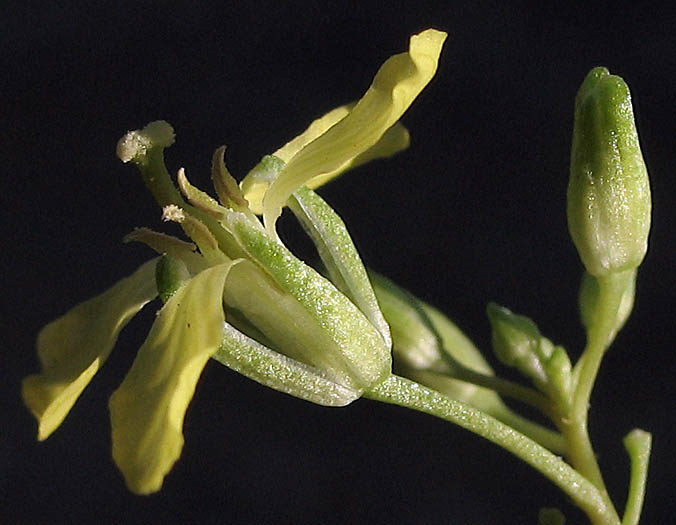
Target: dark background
473,211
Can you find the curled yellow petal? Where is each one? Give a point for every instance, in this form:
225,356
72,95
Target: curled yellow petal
395,86
148,408
256,183
315,129
72,348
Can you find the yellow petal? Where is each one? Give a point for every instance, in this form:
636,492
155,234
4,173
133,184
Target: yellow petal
148,408
395,86
72,348
254,185
395,139
315,129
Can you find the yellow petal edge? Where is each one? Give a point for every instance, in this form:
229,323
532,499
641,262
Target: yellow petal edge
394,140
72,348
396,85
148,409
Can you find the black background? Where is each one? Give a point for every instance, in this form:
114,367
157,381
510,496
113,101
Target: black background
473,211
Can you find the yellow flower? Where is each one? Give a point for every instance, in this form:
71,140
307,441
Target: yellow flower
237,294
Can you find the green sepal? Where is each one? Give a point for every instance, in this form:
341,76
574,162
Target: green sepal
517,342
285,374
339,254
350,350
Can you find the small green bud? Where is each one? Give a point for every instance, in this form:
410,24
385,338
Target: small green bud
518,343
609,191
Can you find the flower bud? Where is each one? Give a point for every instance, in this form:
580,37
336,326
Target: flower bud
518,343
609,191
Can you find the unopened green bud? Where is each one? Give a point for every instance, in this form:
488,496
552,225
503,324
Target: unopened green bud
415,342
518,343
609,191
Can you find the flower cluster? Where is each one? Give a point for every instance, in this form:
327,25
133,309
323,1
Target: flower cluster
236,293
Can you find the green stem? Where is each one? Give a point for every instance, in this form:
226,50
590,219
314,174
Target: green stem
600,335
637,443
550,439
403,392
502,386
489,402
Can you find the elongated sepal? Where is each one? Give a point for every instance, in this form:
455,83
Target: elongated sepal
329,332
559,377
609,192
339,255
75,346
148,408
272,369
394,88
